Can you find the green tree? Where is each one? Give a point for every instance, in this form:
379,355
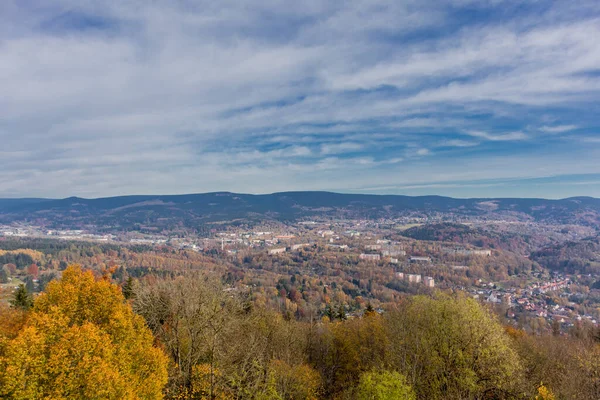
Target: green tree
4,275
22,298
452,348
341,314
383,385
128,288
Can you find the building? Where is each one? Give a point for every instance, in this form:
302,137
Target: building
276,251
370,257
465,252
338,246
373,247
400,275
413,278
326,233
299,246
394,253
284,237
420,260
429,281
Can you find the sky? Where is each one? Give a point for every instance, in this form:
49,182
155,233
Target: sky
464,98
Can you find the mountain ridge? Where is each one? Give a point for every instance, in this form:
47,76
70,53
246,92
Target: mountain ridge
201,208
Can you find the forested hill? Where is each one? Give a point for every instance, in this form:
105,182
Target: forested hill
572,257
196,209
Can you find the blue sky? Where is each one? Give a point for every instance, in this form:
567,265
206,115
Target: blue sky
489,98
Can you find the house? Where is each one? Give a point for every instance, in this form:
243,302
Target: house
277,251
429,281
393,253
299,246
413,278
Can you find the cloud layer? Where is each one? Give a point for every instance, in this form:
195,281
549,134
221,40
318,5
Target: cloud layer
122,97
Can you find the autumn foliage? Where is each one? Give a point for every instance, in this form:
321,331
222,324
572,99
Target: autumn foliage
81,340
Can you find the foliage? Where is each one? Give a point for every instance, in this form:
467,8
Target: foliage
451,348
82,341
299,382
22,298
544,394
383,385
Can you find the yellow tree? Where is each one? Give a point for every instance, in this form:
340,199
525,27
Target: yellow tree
383,385
82,341
452,348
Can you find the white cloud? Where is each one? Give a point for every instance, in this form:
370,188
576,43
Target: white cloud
558,128
191,96
340,148
458,143
510,136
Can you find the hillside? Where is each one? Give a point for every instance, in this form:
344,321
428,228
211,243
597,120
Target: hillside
573,257
196,210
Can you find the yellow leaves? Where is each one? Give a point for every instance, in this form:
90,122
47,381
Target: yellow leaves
383,385
295,381
82,341
457,346
544,394
34,254
11,321
514,332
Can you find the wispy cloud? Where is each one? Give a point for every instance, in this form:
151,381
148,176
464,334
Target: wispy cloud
119,97
497,137
558,128
337,148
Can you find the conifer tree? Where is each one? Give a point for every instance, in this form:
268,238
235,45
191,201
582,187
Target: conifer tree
22,298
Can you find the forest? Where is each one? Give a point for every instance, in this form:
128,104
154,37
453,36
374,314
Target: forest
194,337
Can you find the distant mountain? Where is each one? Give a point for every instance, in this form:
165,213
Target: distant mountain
197,210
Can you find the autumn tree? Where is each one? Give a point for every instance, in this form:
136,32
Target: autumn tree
297,382
451,348
192,316
342,351
383,385
568,367
82,341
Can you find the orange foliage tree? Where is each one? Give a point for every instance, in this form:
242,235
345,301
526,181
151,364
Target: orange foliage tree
81,340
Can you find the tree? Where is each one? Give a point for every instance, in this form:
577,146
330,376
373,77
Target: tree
299,382
341,314
192,316
452,348
81,340
383,385
544,394
342,351
29,284
128,288
33,270
22,298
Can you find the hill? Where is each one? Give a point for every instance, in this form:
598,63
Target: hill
196,210
573,257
